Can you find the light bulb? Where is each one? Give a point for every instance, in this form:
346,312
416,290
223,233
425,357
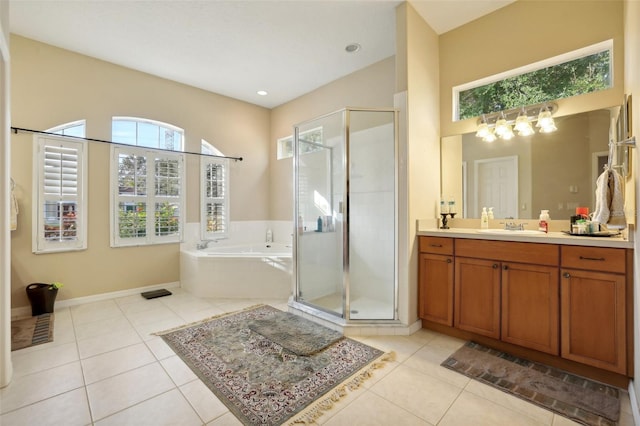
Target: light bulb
483,130
507,134
490,137
501,126
523,125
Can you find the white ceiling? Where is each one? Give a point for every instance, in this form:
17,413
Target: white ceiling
235,48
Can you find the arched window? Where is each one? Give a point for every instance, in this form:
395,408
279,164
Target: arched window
74,128
147,182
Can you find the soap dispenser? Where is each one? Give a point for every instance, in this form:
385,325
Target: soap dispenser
484,219
543,224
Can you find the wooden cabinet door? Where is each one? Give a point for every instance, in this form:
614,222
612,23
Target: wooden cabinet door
436,288
593,312
530,306
477,296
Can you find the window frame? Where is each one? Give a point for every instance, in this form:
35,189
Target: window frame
285,145
61,129
140,120
40,244
205,234
593,49
150,198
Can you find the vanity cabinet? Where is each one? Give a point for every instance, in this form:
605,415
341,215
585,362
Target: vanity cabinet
508,291
594,311
564,305
477,296
435,280
530,306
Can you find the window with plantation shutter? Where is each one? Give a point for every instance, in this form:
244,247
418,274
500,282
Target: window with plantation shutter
214,203
60,197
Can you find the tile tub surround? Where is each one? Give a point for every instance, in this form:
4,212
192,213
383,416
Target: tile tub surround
243,232
101,349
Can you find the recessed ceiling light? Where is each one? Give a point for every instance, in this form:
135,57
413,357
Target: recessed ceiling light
352,48
262,92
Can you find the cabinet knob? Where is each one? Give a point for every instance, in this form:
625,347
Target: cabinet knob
505,267
449,261
495,266
566,275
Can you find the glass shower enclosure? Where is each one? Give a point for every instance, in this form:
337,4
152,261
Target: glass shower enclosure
345,185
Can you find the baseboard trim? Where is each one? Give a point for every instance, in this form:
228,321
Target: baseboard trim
635,410
25,311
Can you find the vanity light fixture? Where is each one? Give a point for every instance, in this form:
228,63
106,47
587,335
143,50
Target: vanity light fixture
523,124
545,121
487,134
499,124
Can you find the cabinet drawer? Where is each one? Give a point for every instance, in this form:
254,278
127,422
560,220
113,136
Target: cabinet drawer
436,245
594,258
509,251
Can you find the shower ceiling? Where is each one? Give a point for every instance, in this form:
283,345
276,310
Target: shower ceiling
235,48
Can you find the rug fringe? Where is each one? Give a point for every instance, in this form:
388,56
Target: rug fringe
318,408
202,321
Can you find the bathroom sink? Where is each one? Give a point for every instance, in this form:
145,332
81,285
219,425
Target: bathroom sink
510,232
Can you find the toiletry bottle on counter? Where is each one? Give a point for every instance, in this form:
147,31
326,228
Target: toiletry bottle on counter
319,228
543,224
490,213
444,207
484,219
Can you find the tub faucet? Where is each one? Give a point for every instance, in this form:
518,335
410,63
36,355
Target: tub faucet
202,245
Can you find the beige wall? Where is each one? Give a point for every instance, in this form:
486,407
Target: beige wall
418,43
6,368
52,86
371,87
632,86
525,32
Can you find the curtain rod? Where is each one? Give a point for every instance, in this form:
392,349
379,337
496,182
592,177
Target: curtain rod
20,129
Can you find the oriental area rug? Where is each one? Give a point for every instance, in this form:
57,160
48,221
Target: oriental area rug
270,367
31,331
581,400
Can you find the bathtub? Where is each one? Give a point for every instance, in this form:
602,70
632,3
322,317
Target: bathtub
260,270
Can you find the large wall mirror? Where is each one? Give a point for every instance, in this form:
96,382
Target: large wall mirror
519,177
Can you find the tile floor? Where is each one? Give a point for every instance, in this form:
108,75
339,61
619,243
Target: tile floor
105,368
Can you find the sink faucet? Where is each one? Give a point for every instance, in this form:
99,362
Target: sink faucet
512,226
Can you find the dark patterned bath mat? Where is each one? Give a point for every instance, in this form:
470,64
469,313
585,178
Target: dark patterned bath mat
31,331
571,396
263,383
294,333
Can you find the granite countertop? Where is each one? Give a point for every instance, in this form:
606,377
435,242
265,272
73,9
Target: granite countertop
528,237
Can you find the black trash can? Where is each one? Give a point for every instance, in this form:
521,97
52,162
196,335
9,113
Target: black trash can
42,297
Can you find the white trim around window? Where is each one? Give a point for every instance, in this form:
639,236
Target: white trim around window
59,194
147,196
214,198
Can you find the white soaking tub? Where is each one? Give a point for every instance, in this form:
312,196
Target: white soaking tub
260,270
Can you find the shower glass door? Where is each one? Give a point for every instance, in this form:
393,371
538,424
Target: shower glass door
345,186
319,187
